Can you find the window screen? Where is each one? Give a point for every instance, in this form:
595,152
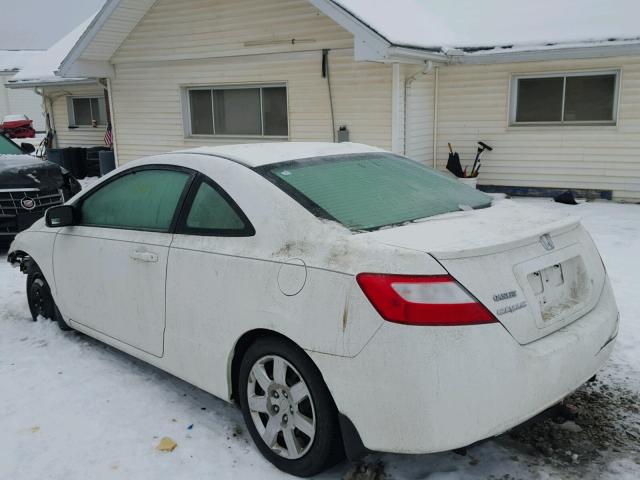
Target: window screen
570,98
82,111
211,211
590,98
87,110
250,111
237,111
144,200
274,111
201,112
540,100
369,191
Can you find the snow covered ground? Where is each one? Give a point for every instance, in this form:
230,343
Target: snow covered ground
73,408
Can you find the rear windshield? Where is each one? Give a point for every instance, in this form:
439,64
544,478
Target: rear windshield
371,190
8,147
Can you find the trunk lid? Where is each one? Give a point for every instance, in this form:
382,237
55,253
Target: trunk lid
535,270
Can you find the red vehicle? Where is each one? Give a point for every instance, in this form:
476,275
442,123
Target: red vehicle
17,126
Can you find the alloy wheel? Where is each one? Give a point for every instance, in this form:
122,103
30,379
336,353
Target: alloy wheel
281,407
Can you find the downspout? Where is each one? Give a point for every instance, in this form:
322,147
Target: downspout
407,84
435,117
50,120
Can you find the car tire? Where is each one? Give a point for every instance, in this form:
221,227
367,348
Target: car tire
294,423
40,299
39,294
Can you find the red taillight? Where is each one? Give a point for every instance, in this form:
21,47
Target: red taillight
423,300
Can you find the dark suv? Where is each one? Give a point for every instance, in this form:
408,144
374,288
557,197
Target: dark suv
28,186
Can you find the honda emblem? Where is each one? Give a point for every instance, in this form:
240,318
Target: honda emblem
546,242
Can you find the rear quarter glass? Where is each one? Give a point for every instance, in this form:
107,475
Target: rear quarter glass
367,191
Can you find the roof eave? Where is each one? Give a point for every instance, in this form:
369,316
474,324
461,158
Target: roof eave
554,53
49,83
69,63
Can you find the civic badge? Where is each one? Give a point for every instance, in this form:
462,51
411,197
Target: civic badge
28,203
546,242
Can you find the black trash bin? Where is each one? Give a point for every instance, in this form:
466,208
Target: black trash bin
107,161
67,159
93,161
78,157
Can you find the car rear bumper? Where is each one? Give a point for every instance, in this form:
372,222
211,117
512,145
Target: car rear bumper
422,390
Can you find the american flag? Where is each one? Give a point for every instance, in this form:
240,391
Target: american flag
108,136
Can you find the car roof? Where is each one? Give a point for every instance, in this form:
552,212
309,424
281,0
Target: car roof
260,154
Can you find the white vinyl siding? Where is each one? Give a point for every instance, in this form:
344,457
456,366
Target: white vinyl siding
473,105
86,136
184,44
191,29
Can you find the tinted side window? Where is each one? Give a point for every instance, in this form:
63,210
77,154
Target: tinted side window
213,212
144,200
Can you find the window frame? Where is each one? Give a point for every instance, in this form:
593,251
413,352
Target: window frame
174,219
72,113
181,227
513,97
186,109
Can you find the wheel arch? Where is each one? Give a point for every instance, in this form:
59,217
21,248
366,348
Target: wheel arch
242,345
24,260
353,445
37,247
17,257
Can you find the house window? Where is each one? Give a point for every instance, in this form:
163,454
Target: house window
259,111
571,98
87,111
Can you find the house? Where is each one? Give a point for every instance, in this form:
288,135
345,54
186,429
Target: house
76,108
558,98
19,102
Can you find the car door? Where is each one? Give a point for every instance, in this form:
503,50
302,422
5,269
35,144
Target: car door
209,276
110,268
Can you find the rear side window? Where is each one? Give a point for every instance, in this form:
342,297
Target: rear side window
372,190
213,212
142,200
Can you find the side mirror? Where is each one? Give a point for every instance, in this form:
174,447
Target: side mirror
27,147
60,216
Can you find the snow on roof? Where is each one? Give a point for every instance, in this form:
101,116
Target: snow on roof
496,25
258,154
42,68
14,60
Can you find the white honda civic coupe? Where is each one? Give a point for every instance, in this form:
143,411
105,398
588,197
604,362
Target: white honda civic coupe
347,298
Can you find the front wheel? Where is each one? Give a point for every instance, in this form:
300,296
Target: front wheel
39,297
41,303
288,409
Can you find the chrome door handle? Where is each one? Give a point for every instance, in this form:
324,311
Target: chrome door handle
144,256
